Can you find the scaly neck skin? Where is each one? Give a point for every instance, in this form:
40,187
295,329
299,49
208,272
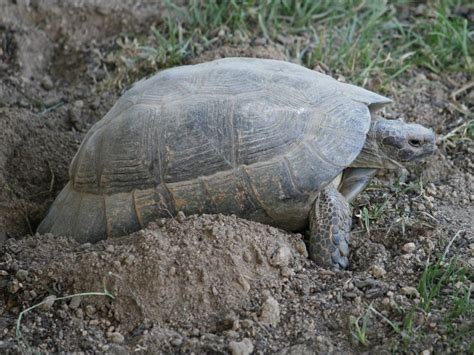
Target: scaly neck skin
371,156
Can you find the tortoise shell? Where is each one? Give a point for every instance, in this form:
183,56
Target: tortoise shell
253,137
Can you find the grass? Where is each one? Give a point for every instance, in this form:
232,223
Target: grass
464,133
387,209
358,328
366,41
445,289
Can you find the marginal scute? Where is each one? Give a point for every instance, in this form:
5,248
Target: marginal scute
371,99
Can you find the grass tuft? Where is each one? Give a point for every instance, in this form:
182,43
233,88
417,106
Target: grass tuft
365,41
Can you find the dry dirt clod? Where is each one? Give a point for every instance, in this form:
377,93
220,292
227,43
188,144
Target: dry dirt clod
180,216
47,83
116,337
90,310
281,257
410,291
378,271
75,302
244,347
244,283
409,247
21,275
270,312
48,302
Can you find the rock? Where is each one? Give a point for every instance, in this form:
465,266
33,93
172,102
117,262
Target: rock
116,337
47,83
48,302
244,283
13,286
285,271
409,291
21,275
105,347
301,248
181,217
75,302
281,257
425,352
270,313
232,334
409,247
378,271
79,104
90,310
177,341
244,347
116,349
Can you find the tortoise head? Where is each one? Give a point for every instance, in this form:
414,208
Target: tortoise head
393,143
401,143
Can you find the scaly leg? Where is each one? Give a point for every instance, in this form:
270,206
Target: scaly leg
329,227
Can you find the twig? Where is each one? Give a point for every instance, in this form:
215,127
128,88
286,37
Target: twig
461,90
51,185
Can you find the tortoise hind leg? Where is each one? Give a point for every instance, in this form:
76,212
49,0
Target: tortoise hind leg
329,228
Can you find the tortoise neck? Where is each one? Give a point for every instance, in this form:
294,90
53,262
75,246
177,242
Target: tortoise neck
371,156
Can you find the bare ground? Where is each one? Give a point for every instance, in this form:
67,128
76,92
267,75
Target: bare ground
205,283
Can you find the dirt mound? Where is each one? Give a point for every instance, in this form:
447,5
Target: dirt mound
190,273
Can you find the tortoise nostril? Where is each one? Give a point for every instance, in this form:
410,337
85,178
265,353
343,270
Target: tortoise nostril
414,142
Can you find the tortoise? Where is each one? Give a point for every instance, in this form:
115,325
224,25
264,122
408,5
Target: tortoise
265,140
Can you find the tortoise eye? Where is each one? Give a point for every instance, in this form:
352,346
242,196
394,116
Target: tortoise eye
414,142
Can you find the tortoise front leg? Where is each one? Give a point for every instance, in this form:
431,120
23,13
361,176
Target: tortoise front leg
329,229
354,181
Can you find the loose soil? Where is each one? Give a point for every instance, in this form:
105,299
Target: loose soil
213,284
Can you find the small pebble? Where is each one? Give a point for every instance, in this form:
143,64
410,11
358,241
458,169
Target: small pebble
425,352
48,302
116,338
244,347
47,83
285,271
409,291
409,247
90,310
75,302
247,323
21,275
244,283
378,271
350,295
232,334
177,342
129,259
79,104
180,217
281,257
301,248
270,313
